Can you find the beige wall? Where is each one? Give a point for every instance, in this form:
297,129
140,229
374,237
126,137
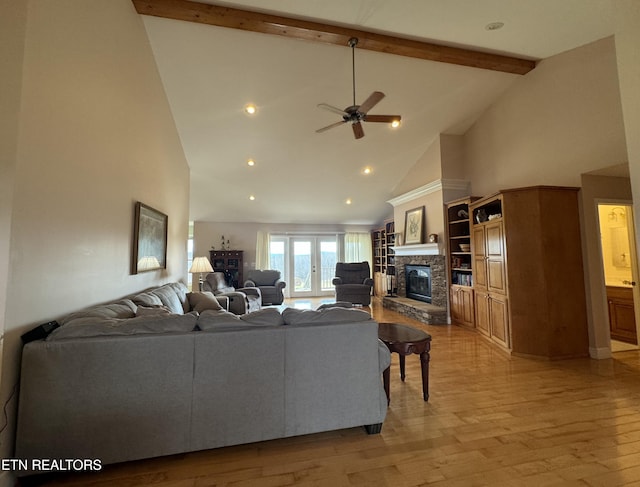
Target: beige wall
452,157
13,14
95,135
562,119
628,58
433,214
426,169
443,159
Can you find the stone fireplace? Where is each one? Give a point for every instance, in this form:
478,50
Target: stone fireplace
432,313
418,282
438,276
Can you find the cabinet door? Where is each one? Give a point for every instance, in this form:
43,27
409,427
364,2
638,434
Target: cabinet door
479,258
455,306
496,281
466,307
482,312
462,308
499,320
479,249
622,319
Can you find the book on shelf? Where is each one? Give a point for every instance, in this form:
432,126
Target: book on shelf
462,279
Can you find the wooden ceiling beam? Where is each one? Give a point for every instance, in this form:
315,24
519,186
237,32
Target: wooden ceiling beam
331,34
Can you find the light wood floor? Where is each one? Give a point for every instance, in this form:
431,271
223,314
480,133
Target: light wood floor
491,420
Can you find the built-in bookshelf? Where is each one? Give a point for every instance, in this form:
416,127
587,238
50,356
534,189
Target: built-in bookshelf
384,260
460,261
459,228
390,241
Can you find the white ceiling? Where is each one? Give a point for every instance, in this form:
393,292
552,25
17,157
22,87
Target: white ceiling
210,73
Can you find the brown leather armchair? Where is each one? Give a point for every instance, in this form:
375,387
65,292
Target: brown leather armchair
241,301
353,282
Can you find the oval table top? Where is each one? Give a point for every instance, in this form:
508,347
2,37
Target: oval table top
396,333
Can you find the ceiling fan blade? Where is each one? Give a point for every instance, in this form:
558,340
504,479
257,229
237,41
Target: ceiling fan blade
369,103
333,109
358,131
324,129
382,118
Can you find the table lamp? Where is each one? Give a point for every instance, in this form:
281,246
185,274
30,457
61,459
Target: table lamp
200,265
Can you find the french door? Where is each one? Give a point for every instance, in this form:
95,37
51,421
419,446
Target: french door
312,264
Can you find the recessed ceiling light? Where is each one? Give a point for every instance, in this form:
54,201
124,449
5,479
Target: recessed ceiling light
348,201
494,26
251,162
366,170
250,109
395,124
252,197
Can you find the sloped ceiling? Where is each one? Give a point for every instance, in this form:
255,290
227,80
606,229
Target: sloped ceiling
210,73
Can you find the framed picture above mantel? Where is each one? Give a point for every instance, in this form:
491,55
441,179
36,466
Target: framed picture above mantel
149,239
414,226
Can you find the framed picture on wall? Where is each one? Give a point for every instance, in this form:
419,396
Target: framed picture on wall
414,226
149,239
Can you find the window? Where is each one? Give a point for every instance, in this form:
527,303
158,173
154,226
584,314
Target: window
189,254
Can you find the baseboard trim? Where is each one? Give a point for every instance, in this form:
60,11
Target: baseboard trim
600,353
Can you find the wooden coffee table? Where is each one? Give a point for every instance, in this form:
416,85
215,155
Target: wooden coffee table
406,340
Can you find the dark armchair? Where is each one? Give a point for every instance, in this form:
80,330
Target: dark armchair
269,283
241,301
353,282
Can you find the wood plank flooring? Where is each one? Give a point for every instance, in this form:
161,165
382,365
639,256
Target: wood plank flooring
492,420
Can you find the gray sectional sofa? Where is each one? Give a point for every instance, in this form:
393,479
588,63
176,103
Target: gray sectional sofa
135,379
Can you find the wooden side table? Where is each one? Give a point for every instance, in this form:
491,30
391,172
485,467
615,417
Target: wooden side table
406,340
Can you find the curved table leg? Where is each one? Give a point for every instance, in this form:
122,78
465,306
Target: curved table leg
424,362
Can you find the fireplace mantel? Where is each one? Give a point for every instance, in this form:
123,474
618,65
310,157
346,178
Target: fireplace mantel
417,249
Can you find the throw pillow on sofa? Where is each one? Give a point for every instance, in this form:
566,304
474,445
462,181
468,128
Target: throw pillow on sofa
181,291
152,311
97,327
266,316
211,320
147,299
125,308
293,316
203,301
169,298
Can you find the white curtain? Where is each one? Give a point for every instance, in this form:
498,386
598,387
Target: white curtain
263,255
357,247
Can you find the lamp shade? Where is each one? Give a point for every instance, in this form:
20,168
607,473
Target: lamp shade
200,264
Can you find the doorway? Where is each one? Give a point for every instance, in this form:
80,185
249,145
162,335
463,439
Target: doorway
312,263
618,249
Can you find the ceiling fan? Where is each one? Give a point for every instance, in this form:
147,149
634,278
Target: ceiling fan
356,114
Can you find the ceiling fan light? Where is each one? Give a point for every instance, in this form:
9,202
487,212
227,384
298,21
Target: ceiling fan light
356,114
395,124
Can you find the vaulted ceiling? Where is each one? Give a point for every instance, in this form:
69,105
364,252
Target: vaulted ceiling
210,72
